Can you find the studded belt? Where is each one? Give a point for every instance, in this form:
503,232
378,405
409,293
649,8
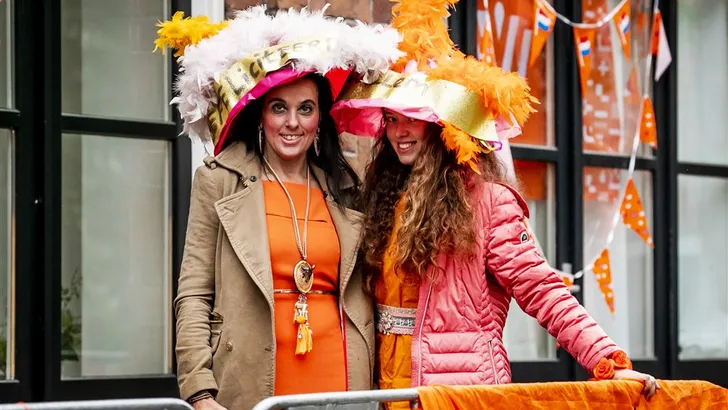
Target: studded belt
395,320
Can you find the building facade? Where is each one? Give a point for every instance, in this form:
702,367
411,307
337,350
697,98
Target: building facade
95,181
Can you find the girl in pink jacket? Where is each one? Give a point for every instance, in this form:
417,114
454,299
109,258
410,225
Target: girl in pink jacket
446,243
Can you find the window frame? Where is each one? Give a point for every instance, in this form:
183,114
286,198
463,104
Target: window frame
39,125
666,110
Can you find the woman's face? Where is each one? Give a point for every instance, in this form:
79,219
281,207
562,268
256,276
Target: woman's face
290,118
406,135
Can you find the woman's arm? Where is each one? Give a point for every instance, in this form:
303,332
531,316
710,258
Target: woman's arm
512,257
194,300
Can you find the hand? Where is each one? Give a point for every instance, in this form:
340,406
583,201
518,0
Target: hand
651,385
207,404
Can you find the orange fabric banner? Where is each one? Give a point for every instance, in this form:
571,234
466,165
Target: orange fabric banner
584,41
648,131
610,394
543,24
603,271
623,23
633,213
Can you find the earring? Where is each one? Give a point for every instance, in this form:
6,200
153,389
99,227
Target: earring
316,143
260,137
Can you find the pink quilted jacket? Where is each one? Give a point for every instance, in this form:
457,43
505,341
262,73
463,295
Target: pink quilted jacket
461,313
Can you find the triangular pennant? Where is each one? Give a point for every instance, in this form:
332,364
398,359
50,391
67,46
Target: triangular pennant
622,21
648,130
633,213
660,46
543,24
656,23
584,41
485,45
603,273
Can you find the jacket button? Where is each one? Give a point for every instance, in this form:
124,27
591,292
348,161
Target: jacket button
253,178
229,346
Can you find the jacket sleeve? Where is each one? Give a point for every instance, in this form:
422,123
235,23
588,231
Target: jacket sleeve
512,257
196,287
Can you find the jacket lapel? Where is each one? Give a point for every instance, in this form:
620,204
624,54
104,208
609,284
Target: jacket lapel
348,225
242,216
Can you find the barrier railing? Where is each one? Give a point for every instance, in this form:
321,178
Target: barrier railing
125,404
340,400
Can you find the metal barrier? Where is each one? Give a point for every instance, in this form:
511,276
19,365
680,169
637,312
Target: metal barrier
126,404
365,399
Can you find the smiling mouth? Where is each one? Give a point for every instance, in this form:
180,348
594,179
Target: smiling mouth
289,137
404,146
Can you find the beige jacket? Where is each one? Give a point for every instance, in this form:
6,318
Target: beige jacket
225,329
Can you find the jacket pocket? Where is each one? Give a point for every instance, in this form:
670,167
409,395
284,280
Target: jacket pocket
492,362
215,331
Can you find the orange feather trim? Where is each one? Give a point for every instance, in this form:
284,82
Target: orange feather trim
466,148
426,41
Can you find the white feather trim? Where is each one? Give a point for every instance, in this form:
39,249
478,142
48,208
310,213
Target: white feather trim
366,49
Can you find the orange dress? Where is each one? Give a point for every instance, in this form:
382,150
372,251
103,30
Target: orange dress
394,356
324,368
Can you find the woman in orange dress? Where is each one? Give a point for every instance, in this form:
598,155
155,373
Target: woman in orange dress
269,301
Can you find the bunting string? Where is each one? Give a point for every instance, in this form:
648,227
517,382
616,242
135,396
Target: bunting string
604,20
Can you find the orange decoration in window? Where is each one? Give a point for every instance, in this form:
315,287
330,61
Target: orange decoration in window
648,130
584,42
623,23
633,213
603,272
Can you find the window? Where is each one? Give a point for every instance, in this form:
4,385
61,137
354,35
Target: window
6,53
108,65
702,38
512,30
632,324
6,255
702,267
115,317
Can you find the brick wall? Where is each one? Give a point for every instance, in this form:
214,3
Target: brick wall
378,11
357,150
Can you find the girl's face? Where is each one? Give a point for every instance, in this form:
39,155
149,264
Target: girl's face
406,135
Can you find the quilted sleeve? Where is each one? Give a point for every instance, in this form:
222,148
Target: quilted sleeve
512,257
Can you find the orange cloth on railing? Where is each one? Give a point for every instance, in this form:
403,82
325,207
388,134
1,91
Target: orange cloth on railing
606,395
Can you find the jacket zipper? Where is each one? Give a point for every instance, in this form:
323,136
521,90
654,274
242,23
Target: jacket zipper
419,340
492,362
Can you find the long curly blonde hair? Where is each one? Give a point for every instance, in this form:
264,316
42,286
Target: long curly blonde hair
437,214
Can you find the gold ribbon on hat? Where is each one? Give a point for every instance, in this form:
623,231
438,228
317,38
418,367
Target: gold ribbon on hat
451,102
245,74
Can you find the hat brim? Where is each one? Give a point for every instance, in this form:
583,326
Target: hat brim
336,77
364,117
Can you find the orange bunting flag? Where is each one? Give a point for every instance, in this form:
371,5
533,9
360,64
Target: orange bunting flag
622,21
603,273
648,130
584,40
543,24
633,214
660,46
486,46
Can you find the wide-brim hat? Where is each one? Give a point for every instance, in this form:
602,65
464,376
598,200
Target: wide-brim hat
225,66
478,106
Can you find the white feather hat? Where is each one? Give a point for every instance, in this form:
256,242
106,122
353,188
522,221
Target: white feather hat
225,66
